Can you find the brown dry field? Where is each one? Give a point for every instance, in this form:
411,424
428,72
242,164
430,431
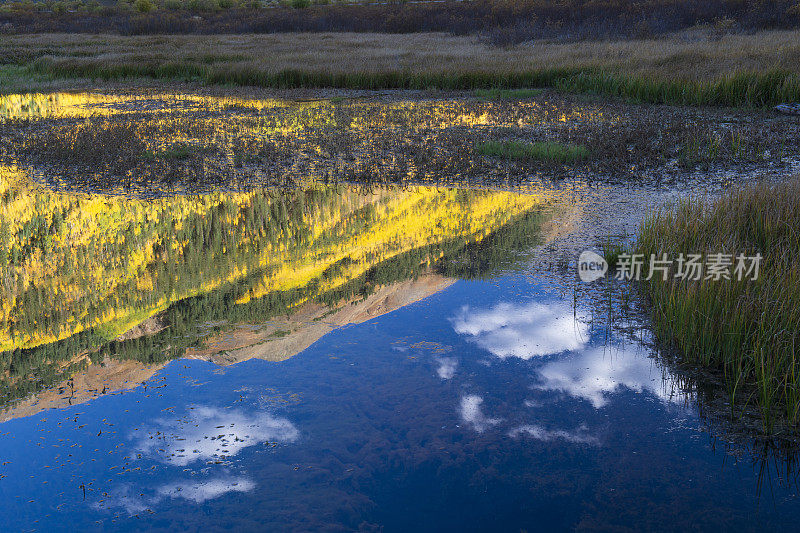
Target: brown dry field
690,55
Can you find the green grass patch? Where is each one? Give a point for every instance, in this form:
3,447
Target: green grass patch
538,151
178,151
748,329
508,94
16,78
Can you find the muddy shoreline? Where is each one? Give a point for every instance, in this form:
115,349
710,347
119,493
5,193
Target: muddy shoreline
210,137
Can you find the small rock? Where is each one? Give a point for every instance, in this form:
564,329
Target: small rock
788,109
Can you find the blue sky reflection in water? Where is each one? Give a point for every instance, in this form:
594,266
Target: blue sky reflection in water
485,405
496,402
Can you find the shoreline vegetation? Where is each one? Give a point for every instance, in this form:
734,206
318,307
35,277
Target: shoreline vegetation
499,22
689,68
747,330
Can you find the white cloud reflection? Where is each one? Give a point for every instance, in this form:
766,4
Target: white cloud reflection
471,413
524,331
595,373
580,435
125,498
197,491
447,367
210,432
201,491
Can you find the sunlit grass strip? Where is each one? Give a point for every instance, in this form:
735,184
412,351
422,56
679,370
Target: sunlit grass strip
540,151
753,89
748,329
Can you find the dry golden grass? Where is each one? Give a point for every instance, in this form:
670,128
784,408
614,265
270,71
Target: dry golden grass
691,67
689,56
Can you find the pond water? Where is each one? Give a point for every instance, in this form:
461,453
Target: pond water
330,357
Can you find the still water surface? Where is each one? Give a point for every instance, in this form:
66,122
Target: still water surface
329,357
483,406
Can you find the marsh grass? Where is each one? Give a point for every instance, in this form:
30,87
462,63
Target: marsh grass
746,329
17,78
612,249
547,151
757,89
751,89
507,94
736,70
705,147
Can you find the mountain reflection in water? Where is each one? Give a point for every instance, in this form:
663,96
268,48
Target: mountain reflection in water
94,279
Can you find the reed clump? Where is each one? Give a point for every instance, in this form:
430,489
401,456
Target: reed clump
748,329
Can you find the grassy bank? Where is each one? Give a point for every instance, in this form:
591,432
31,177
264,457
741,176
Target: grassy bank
750,330
729,71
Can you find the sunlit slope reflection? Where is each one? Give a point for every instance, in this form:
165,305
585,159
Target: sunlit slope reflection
82,271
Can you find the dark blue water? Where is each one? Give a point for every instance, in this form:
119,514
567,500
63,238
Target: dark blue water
486,406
